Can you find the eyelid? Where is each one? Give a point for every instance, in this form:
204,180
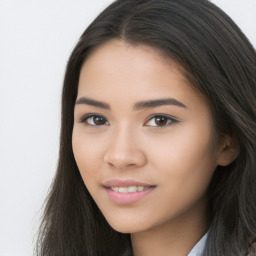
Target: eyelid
172,119
169,117
85,117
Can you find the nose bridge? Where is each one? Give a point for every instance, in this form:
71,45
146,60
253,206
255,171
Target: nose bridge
121,135
123,150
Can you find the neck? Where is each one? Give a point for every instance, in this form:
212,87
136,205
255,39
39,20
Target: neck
176,237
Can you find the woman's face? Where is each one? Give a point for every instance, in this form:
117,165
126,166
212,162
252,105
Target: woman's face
142,138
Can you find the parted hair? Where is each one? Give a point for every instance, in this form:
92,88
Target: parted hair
220,62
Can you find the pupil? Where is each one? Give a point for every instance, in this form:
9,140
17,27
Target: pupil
99,120
161,120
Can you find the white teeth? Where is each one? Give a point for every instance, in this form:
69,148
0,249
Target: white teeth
140,188
130,189
123,190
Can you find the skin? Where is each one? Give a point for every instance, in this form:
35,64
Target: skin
177,157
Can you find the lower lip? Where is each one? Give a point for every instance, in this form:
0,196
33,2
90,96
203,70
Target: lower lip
127,198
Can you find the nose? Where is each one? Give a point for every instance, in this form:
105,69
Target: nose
123,152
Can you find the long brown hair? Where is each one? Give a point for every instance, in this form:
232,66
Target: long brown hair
221,63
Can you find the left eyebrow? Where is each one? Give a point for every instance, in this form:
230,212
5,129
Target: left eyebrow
157,103
92,102
137,106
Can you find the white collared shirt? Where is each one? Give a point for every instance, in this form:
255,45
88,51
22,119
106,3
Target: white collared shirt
199,247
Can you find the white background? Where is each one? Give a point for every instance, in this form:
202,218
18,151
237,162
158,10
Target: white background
36,38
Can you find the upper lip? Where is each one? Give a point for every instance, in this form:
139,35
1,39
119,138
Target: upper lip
125,183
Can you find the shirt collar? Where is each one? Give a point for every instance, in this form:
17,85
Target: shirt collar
199,247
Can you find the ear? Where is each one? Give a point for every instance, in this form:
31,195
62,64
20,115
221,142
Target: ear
228,152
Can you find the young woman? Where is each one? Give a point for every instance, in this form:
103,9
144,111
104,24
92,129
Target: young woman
158,137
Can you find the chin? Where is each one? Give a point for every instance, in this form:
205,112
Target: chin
127,227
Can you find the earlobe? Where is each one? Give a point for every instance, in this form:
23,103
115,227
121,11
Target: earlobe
228,152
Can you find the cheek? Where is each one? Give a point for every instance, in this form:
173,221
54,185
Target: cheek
184,175
186,159
88,155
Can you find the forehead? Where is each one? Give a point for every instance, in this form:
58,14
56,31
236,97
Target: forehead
112,46
117,58
132,73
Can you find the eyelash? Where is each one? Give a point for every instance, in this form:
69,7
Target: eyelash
85,119
170,120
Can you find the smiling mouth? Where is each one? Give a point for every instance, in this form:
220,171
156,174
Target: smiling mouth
128,194
130,189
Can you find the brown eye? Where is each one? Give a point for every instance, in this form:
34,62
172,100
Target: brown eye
99,120
95,120
161,121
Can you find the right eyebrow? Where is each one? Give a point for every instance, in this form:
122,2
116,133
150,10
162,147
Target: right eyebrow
95,103
158,102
